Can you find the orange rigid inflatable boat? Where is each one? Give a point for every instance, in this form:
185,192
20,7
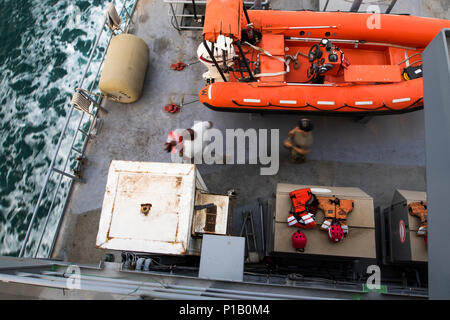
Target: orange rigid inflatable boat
321,62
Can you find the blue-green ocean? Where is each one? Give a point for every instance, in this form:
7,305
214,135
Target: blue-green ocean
44,47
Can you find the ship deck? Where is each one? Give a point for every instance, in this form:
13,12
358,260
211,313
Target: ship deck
379,156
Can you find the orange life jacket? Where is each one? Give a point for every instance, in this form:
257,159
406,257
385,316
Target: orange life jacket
299,199
300,217
335,209
419,210
343,209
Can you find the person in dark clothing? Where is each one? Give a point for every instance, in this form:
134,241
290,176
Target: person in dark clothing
300,140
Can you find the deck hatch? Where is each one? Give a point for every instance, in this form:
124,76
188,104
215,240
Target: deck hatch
165,228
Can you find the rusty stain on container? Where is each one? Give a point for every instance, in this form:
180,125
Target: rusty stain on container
176,232
108,237
145,208
178,182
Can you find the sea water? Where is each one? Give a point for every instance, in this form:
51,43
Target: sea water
44,48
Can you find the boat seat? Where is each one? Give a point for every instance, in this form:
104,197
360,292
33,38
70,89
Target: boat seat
273,43
373,73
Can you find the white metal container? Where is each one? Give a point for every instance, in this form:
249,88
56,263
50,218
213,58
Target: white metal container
166,228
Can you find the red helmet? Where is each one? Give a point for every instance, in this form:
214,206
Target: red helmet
335,233
299,240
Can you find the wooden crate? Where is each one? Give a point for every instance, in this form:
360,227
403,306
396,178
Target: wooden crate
360,241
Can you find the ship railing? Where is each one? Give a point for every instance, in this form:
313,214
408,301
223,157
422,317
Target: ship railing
189,14
356,4
75,139
196,11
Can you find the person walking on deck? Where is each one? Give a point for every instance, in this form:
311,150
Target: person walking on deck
174,144
194,147
186,145
300,140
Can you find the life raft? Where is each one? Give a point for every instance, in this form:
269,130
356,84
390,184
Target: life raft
313,62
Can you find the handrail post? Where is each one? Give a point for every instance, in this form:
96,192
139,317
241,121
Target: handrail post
391,6
355,6
87,134
41,195
58,146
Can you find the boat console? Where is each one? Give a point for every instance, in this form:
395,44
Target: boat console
325,58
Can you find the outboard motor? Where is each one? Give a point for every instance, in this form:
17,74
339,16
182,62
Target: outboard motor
224,54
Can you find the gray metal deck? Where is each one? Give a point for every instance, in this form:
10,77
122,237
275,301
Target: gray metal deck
380,156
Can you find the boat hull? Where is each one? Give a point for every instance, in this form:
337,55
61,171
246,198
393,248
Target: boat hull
403,30
325,99
290,68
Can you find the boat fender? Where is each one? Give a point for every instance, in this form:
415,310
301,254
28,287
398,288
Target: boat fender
124,69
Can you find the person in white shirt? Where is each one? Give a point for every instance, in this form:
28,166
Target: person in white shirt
186,145
193,148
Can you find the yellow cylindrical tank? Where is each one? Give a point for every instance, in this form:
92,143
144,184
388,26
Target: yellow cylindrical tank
124,69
